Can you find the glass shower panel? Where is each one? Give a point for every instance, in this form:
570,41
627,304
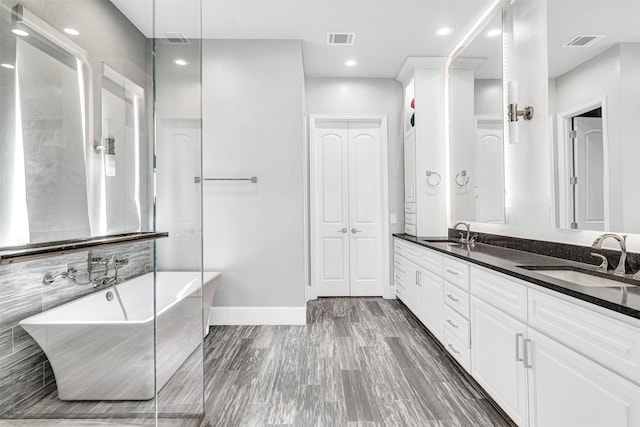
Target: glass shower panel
178,210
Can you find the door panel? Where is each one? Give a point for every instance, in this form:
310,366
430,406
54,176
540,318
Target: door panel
568,390
589,153
490,172
330,192
365,208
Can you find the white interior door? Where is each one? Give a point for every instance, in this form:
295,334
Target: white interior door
178,197
330,191
490,172
347,197
365,208
589,170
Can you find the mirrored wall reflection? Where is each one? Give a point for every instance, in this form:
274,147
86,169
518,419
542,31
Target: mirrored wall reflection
476,129
45,80
594,64
119,149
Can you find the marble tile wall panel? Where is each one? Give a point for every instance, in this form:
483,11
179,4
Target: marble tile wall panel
24,368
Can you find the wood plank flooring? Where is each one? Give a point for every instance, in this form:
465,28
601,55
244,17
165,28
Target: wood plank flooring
357,362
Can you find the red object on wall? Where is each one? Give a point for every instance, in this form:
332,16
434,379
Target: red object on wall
413,103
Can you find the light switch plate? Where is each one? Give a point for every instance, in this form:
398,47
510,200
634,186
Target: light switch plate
393,219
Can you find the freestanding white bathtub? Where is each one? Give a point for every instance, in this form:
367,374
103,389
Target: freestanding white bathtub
97,355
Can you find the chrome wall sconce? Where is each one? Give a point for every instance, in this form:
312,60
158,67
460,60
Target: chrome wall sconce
514,113
108,148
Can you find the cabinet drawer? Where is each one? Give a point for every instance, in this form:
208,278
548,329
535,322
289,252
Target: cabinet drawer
457,349
409,219
432,261
503,293
398,278
456,272
410,230
608,341
410,208
457,299
456,325
408,250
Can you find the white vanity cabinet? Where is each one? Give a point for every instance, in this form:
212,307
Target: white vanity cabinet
498,359
542,382
547,359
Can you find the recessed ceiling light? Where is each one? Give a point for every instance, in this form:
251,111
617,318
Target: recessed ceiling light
494,32
350,62
9,66
180,62
444,31
72,31
19,32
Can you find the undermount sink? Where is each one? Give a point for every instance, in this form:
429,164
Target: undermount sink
580,278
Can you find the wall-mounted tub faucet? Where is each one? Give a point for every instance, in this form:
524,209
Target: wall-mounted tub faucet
621,269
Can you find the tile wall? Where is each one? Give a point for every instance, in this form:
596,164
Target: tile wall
24,369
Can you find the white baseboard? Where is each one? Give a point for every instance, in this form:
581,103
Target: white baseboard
258,316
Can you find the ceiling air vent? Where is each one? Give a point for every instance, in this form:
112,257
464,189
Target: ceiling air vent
344,39
174,38
583,41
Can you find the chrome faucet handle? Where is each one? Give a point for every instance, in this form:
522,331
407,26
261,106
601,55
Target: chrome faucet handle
462,238
604,265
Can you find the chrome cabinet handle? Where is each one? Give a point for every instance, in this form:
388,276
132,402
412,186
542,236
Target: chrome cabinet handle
452,324
418,275
518,356
455,273
344,230
355,230
527,362
452,298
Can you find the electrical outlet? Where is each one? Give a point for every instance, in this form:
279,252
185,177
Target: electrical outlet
393,219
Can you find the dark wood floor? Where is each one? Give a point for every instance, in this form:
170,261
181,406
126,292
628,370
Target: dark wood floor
357,362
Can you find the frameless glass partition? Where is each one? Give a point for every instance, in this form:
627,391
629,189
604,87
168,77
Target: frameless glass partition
94,143
183,292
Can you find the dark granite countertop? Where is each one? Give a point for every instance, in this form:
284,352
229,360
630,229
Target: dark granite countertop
510,262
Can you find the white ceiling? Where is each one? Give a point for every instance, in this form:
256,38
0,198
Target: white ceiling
388,31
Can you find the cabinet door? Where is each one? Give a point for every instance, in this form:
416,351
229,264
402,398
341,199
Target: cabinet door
412,293
568,390
410,168
432,293
497,358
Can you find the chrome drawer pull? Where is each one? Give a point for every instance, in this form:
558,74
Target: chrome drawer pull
452,324
518,357
455,273
452,298
453,349
527,362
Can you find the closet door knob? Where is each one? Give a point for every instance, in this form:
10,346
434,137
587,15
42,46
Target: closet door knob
344,230
354,231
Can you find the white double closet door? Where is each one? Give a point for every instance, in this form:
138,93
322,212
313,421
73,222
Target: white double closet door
346,203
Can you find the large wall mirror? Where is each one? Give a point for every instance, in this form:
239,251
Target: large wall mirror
594,96
65,174
476,128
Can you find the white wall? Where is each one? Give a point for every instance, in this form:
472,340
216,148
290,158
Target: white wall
488,97
367,97
252,109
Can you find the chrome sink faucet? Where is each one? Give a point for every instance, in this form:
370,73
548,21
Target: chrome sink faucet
464,238
621,269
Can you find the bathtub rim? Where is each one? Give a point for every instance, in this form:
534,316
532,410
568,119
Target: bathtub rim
34,321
